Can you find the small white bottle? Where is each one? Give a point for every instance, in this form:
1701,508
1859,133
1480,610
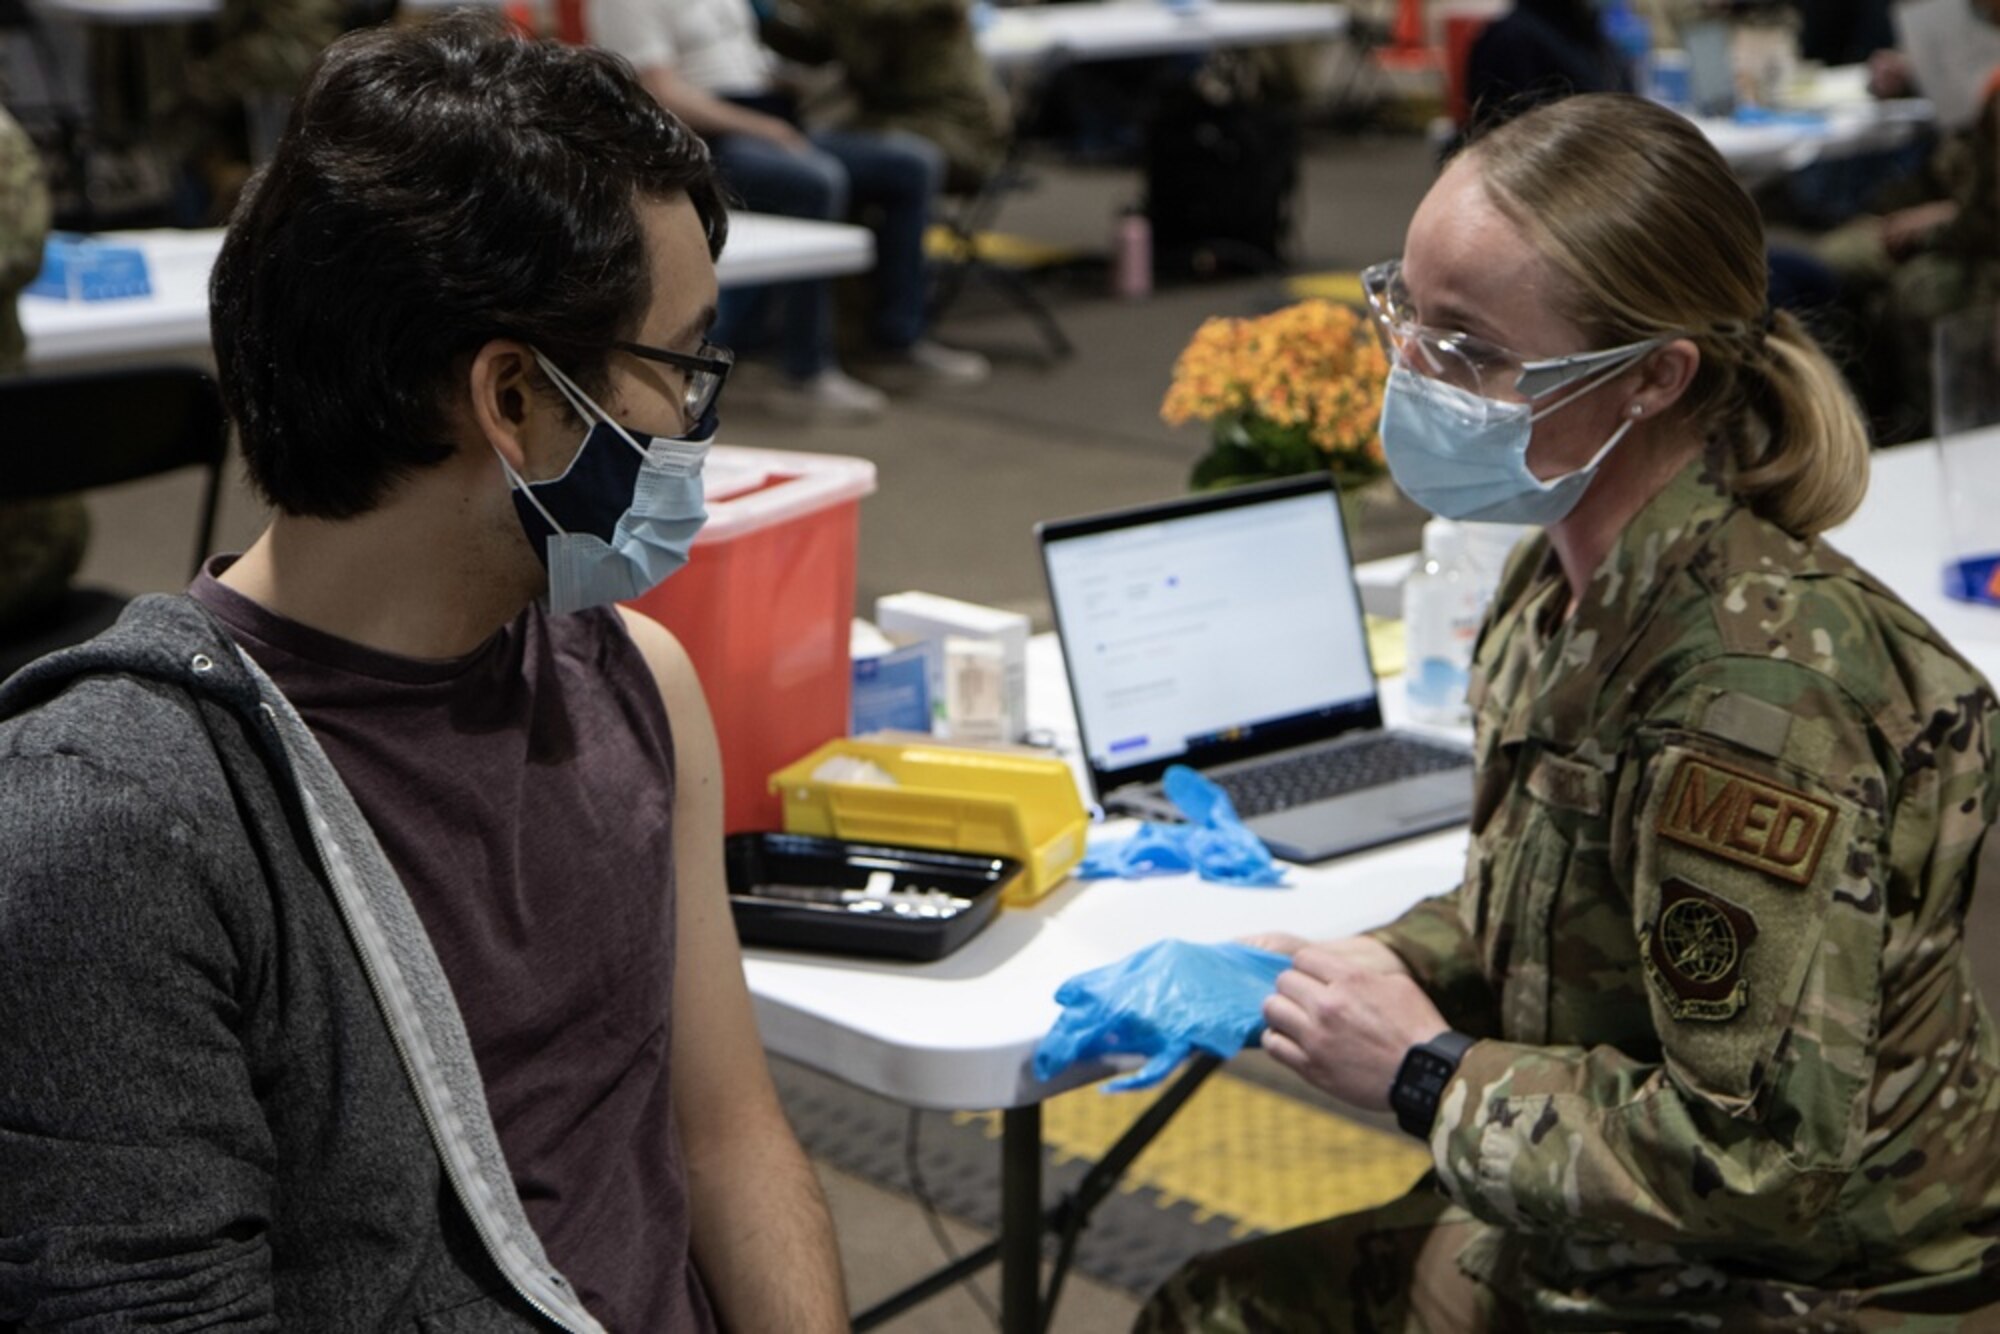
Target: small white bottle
1441,610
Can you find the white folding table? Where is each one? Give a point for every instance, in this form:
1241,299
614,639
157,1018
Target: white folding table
1042,35
961,1032
172,323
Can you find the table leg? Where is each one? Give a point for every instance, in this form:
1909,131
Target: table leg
1021,1219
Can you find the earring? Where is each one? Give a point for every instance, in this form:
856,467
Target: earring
1638,409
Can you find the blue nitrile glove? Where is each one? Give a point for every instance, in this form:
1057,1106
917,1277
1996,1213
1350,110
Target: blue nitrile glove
1214,841
1224,849
1157,849
1166,1001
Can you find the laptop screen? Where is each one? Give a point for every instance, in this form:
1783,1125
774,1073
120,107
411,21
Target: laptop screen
1210,629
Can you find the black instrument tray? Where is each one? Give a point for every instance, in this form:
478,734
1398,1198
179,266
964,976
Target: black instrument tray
805,893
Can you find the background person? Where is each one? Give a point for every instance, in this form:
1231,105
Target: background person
391,980
1539,51
704,62
1703,1043
41,541
910,65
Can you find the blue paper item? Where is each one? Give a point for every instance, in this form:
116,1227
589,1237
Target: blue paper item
77,268
1804,120
1974,579
1214,842
892,692
1165,1002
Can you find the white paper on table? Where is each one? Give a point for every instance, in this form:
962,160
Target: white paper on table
1950,53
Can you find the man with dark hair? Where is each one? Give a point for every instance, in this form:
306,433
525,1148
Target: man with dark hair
364,956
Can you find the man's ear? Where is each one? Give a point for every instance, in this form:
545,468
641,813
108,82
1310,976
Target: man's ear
500,382
1665,376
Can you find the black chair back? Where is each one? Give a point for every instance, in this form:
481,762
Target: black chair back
64,433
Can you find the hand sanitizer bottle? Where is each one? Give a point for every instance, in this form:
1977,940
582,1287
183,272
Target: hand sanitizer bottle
1441,610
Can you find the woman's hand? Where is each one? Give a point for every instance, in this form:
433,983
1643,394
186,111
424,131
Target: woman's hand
1343,1021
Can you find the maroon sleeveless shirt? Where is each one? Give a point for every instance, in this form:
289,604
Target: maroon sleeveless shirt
524,794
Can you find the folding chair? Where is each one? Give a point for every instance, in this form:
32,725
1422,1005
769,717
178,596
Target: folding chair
68,433
968,215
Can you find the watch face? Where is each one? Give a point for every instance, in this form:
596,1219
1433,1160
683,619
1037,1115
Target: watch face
1419,1085
1429,1073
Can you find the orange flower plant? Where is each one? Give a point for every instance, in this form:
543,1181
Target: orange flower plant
1289,392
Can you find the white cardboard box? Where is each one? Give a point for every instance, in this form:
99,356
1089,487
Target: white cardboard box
910,617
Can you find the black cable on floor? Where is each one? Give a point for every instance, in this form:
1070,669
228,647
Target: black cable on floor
922,1192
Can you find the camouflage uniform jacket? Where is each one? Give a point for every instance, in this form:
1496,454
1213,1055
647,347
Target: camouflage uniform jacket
914,65
24,224
1733,1067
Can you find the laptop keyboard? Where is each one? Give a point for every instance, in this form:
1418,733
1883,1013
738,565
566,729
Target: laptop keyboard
1315,775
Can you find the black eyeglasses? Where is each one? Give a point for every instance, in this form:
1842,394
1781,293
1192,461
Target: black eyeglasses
707,368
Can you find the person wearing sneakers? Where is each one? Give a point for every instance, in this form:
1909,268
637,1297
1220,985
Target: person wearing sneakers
703,61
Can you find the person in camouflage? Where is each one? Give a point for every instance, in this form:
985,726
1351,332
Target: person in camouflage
913,65
1727,1068
41,541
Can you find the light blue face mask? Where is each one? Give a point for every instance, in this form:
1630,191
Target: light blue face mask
622,516
1461,455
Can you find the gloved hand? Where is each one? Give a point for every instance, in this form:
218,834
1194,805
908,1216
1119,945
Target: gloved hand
1214,842
1166,1001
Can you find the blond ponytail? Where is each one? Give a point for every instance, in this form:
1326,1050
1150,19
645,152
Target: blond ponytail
1653,237
1809,470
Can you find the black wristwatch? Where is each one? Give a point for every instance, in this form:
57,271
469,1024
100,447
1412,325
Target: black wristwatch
1427,1068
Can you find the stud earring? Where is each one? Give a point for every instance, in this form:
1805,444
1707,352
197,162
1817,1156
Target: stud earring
1638,409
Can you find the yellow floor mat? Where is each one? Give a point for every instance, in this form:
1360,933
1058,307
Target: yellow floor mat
1237,1150
999,248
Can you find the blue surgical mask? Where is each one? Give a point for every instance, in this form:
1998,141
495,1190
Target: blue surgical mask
622,516
1464,456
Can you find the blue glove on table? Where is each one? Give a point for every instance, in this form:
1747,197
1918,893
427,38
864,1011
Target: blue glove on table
1165,1002
1214,842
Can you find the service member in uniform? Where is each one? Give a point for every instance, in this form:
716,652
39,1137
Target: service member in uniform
1696,1043
913,65
41,541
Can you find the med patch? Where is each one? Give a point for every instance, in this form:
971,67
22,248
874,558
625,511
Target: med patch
1694,952
1745,819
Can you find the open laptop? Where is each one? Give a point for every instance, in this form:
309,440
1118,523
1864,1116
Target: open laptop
1224,632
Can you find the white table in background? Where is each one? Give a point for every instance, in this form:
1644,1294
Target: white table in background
130,12
1899,535
193,11
1758,151
1819,118
172,323
1037,35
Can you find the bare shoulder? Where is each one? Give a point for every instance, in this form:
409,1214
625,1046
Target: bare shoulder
672,669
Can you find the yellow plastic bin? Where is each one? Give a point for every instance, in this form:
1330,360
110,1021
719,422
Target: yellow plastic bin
958,799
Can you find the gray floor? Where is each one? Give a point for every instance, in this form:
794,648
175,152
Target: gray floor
963,477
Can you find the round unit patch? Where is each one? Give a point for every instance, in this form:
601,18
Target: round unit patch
1694,952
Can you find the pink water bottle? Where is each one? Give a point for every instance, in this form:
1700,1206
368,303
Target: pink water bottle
1132,255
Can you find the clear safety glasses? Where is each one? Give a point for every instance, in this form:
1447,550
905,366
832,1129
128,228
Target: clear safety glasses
1486,370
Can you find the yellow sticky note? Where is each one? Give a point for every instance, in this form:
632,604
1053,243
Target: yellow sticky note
1385,645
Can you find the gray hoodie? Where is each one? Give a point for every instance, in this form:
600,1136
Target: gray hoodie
235,1092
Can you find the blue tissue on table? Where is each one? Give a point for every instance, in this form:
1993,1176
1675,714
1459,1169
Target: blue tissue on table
79,268
1214,842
